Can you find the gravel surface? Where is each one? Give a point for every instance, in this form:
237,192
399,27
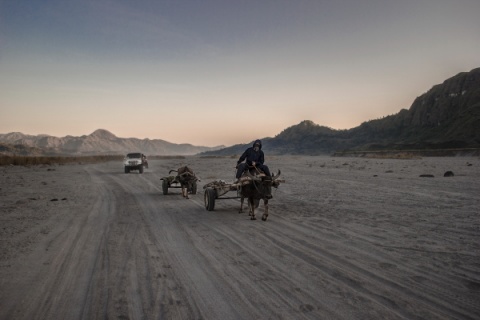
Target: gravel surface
346,238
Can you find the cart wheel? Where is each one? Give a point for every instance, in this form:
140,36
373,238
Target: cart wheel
165,186
194,187
209,197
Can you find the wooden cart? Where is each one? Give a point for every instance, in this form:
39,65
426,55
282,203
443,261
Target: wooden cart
173,182
216,190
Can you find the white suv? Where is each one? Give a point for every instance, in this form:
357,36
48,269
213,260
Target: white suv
135,161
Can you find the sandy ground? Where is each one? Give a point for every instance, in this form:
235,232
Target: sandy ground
347,238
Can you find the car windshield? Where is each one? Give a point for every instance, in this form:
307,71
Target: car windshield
134,155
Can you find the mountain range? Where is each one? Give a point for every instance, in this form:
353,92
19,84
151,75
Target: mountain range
445,117
99,142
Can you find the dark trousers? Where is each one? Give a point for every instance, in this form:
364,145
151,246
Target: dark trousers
243,166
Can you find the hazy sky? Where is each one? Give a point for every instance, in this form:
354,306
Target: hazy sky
211,72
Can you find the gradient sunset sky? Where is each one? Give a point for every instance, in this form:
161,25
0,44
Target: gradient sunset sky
212,72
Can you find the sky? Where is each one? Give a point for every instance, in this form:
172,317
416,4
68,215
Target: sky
223,72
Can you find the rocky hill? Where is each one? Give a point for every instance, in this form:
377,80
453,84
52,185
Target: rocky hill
99,142
446,116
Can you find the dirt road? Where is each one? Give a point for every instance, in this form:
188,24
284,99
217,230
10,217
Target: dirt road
346,239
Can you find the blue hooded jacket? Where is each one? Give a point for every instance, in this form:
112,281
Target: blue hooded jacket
253,156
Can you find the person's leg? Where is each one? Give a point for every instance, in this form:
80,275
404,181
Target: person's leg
240,169
265,169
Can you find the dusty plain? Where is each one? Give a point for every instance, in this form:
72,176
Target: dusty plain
347,238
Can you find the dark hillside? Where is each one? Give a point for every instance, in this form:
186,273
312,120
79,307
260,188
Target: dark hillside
446,117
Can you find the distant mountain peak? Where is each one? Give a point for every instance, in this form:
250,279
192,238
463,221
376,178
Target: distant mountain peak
103,134
100,141
308,123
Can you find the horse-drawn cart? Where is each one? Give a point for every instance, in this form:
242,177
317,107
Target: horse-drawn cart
252,187
185,179
216,189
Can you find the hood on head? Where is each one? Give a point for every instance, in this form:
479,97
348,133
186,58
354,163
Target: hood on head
259,142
